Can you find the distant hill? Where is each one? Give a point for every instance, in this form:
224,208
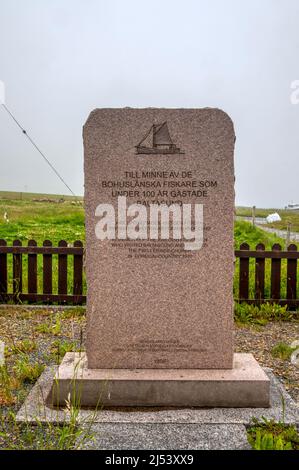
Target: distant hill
19,196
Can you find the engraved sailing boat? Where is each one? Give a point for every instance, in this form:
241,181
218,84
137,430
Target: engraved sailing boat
157,140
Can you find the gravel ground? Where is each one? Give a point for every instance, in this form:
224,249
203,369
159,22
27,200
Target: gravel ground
260,340
17,324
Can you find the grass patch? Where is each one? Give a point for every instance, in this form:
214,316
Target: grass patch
245,232
40,221
61,347
24,368
52,328
27,372
282,351
251,314
24,346
76,313
8,385
67,436
272,435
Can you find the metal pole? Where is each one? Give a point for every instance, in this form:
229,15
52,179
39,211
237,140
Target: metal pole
288,239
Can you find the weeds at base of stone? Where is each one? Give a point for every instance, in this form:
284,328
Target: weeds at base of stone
271,435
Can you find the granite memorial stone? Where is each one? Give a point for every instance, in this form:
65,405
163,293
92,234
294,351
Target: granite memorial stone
152,303
159,202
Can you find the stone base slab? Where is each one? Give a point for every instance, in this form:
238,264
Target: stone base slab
36,409
246,385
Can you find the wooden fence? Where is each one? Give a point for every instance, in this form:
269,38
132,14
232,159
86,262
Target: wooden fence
252,282
31,294
275,256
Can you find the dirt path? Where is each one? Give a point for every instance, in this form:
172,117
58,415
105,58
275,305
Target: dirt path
294,236
261,223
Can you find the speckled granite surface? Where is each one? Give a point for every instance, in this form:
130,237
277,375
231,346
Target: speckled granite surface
173,310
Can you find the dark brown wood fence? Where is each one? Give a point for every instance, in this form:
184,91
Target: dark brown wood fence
27,276
14,269
278,279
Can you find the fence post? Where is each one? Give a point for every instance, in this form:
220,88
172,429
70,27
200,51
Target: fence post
62,271
292,278
78,272
3,273
17,271
260,275
47,270
244,274
288,238
32,270
253,216
275,274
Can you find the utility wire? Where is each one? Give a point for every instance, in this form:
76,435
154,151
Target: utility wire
38,149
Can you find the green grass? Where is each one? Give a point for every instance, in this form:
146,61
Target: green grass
260,315
61,347
272,435
53,328
29,220
8,385
27,372
245,232
39,221
49,436
22,369
24,346
282,351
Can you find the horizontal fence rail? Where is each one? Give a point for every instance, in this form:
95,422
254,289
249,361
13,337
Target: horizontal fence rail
55,274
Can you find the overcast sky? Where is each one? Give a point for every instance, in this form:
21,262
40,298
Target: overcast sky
59,59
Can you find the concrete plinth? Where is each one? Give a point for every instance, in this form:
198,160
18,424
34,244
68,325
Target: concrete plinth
246,385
